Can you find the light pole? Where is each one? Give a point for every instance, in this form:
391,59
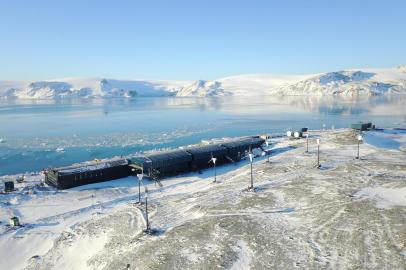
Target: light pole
359,140
140,176
251,156
267,151
307,142
213,159
318,153
148,229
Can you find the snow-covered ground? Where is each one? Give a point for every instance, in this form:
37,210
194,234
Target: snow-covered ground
348,214
351,82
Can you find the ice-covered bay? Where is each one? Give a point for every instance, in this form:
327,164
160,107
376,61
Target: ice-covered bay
38,134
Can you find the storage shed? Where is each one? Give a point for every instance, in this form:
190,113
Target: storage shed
159,164
201,155
87,173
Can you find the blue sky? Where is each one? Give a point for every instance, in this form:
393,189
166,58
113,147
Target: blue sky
196,39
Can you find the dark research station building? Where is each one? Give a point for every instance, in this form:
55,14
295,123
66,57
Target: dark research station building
155,165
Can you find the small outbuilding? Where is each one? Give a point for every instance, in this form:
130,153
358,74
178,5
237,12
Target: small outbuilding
14,222
8,186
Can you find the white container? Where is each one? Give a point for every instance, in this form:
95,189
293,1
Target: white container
289,133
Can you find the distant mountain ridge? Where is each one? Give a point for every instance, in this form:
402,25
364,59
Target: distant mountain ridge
351,82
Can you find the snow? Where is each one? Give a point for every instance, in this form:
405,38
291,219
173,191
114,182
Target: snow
348,83
203,88
245,255
91,166
298,217
7,88
240,85
384,197
365,82
92,87
76,255
402,68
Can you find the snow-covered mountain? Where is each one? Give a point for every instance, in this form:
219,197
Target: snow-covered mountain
364,82
241,85
89,88
352,82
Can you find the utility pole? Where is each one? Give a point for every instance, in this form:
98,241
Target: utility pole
213,159
318,153
267,152
307,142
139,191
251,156
359,139
146,210
140,176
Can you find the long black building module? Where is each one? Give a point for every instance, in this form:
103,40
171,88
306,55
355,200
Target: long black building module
163,163
202,155
155,165
172,162
238,148
87,173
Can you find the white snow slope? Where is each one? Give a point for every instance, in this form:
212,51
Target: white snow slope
89,87
351,82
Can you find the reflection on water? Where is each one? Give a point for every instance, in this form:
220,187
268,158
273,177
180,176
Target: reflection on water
30,131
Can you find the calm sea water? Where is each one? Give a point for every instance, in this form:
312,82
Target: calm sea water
40,134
